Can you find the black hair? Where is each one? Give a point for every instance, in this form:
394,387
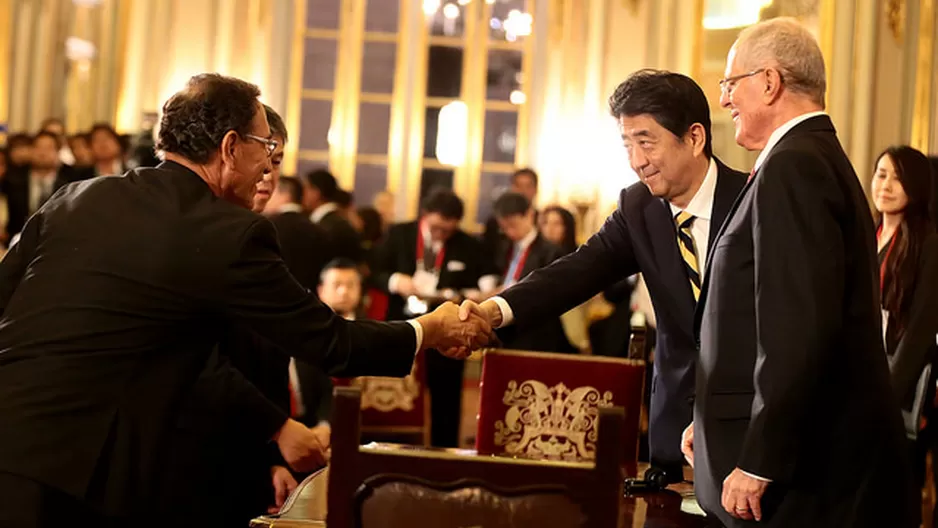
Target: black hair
445,203
673,100
526,171
196,119
511,204
324,181
292,187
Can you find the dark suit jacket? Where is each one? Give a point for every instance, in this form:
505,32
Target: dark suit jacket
792,383
463,263
638,237
344,239
305,246
542,335
112,302
16,187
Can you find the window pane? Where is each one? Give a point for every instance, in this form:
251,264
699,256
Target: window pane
374,124
369,181
378,67
444,71
501,131
319,68
491,186
504,75
381,15
448,19
433,178
314,124
430,128
323,14
510,21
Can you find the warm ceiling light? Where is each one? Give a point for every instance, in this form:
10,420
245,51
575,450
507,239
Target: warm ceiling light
451,11
464,2
729,14
517,97
430,7
451,135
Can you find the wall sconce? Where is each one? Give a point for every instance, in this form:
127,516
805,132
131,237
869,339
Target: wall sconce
451,135
80,52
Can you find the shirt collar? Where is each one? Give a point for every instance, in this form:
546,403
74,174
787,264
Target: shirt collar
779,133
290,208
701,205
526,242
322,211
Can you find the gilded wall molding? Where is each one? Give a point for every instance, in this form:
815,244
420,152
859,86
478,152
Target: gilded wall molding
924,104
894,11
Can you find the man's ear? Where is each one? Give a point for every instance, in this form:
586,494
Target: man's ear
229,147
773,85
698,138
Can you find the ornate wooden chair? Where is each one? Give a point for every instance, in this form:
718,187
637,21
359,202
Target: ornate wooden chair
547,406
402,486
397,408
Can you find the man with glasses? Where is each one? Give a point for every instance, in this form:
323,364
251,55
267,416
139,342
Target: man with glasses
795,422
115,296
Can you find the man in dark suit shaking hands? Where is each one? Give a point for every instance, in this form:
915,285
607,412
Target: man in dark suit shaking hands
664,228
116,294
795,423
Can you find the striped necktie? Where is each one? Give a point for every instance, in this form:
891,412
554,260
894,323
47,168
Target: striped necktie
685,242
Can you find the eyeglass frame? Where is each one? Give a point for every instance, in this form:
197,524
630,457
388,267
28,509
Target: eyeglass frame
270,144
725,84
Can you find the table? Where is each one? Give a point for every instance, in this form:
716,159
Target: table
671,508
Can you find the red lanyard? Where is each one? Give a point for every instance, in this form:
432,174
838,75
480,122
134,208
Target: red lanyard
521,261
882,267
438,264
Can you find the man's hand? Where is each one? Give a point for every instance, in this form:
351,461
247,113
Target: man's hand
284,484
324,432
454,337
487,310
742,495
687,444
300,446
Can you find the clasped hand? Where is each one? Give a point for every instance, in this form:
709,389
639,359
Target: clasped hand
457,331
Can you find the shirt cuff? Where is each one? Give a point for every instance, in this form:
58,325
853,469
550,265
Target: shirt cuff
507,315
757,477
418,330
392,282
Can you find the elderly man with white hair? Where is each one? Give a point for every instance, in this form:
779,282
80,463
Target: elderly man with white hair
795,423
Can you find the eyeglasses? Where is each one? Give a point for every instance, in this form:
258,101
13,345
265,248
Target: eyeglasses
269,144
729,84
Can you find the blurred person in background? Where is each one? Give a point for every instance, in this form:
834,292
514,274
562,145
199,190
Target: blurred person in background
524,182
81,148
106,149
559,228
384,204
19,148
56,127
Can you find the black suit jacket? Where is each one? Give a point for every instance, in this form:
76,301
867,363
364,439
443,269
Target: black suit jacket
113,300
305,246
344,240
463,263
638,237
792,383
16,187
542,335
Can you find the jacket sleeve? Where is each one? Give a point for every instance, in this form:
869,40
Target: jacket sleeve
604,259
261,293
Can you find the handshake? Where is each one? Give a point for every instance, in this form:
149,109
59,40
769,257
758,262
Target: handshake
457,331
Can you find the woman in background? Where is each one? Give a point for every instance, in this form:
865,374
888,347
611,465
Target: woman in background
902,190
559,228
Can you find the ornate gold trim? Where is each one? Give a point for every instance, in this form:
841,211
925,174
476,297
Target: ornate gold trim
826,20
295,86
895,12
381,449
333,34
924,103
418,104
378,98
570,357
383,36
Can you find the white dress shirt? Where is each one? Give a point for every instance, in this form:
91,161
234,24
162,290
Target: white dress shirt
701,206
518,248
290,208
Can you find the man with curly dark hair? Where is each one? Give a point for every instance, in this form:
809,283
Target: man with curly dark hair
113,301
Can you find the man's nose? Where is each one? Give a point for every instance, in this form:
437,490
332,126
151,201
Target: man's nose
724,99
639,160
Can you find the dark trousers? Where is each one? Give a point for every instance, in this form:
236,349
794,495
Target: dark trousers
444,379
28,504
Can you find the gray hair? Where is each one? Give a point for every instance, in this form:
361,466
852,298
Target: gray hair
785,44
